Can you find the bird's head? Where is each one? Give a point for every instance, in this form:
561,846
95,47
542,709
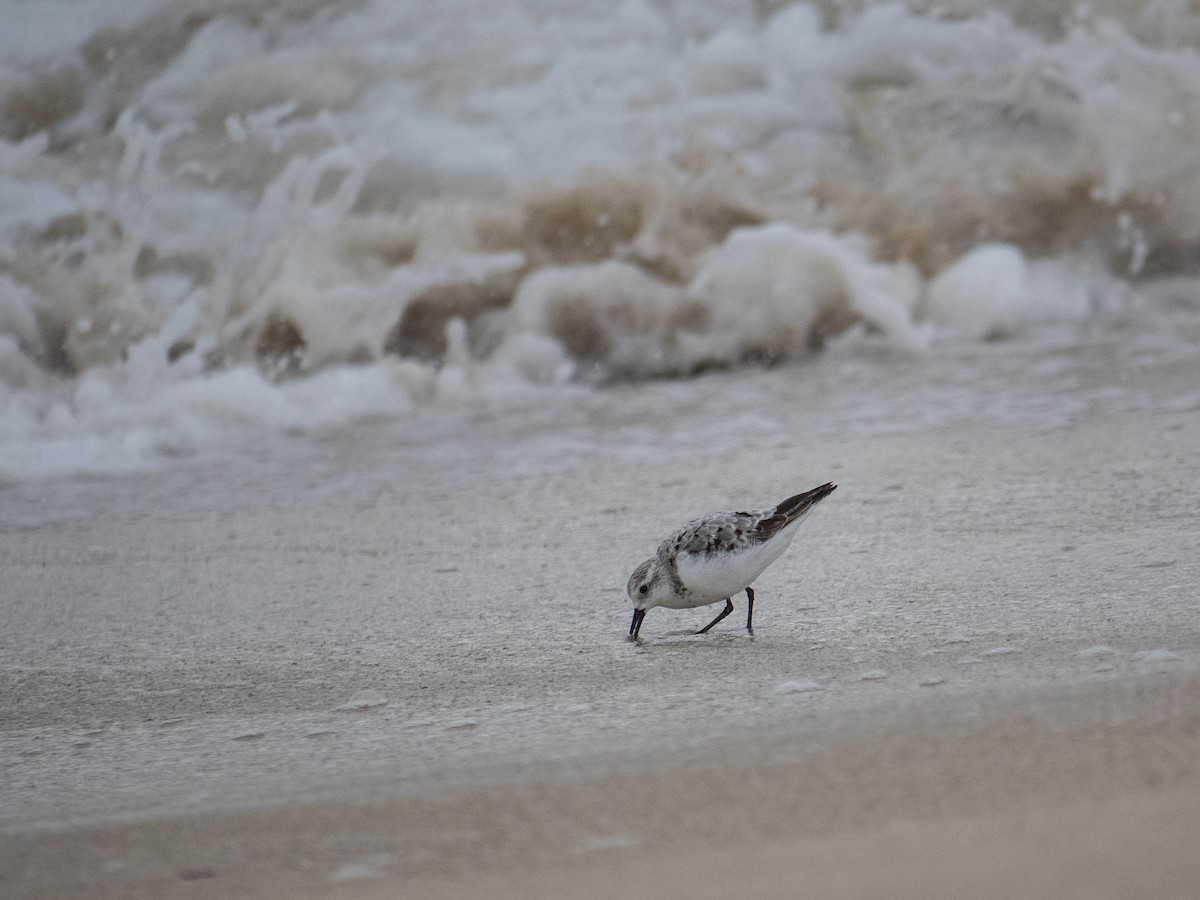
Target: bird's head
648,585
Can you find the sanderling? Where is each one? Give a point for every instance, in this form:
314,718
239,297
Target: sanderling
712,558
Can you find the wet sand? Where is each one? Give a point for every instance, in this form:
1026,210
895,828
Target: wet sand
977,672
1054,794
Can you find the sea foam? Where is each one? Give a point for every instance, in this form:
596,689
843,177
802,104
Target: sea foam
291,217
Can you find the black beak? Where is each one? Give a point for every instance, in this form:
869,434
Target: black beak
636,625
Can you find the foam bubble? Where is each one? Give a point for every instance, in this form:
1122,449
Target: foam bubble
983,294
773,289
993,291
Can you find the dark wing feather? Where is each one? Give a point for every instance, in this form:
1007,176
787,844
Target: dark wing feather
791,509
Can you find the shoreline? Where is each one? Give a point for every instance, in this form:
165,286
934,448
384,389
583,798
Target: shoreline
997,610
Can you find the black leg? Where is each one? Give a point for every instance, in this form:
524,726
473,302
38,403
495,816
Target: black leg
636,625
722,614
750,611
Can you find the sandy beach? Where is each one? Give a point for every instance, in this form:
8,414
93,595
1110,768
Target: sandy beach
392,662
354,354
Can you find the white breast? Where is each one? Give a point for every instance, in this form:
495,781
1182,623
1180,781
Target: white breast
711,577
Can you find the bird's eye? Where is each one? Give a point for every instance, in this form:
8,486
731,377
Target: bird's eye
643,588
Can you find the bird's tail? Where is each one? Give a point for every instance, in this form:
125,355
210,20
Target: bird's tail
793,508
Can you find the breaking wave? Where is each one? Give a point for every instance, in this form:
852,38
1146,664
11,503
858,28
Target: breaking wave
298,214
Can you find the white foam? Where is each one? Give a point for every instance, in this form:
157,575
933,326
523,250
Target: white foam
992,291
611,313
31,205
769,288
40,28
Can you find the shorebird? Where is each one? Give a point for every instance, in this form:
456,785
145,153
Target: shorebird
714,557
